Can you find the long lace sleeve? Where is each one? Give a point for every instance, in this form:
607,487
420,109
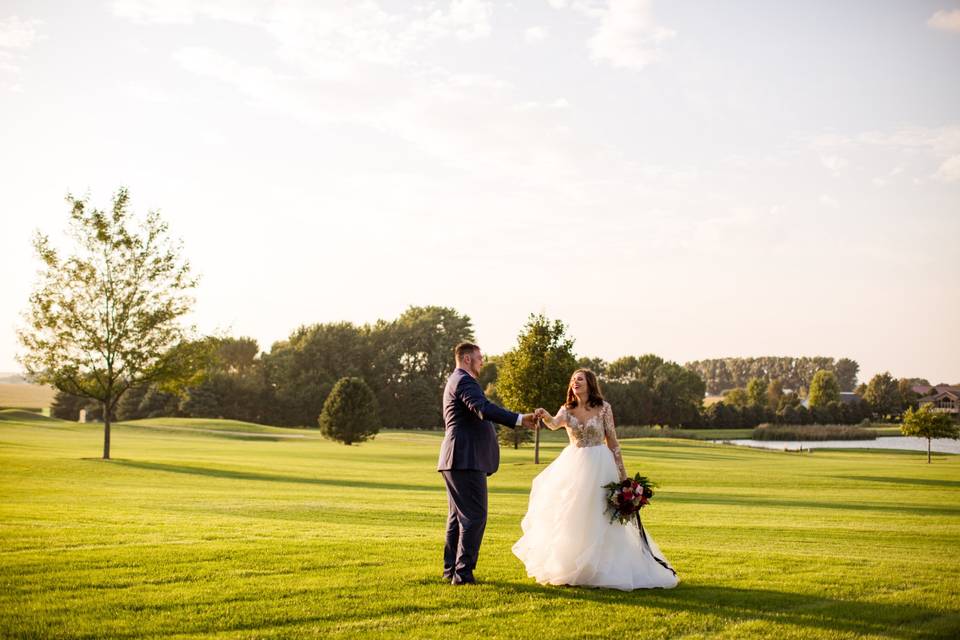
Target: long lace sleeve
558,421
610,432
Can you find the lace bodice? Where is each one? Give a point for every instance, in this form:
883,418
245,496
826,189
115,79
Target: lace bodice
596,430
587,434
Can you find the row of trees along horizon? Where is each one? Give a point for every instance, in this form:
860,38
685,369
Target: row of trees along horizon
405,362
104,328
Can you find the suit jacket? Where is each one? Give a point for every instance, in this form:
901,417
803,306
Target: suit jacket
469,440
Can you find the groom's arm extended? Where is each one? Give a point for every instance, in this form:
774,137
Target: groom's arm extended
472,396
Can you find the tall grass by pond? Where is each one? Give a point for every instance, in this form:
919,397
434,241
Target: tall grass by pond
813,432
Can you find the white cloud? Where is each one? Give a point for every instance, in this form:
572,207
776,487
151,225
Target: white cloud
7,64
628,35
465,120
945,20
18,34
559,103
466,19
936,139
156,11
925,149
834,164
949,170
557,4
829,201
536,34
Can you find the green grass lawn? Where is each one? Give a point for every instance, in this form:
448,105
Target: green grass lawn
206,529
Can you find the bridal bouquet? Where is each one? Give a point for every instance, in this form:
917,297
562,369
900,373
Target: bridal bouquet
626,498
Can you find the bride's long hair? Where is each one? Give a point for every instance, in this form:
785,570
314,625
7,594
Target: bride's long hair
594,397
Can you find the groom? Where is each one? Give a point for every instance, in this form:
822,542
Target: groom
469,453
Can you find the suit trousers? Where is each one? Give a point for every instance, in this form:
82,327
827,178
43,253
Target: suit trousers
466,520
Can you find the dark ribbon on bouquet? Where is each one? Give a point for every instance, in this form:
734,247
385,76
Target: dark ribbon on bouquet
643,534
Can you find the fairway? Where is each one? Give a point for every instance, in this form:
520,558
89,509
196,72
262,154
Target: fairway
230,530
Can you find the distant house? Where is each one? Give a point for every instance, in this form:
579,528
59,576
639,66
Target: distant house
944,398
846,397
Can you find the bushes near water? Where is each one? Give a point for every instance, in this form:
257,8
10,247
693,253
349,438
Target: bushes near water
813,432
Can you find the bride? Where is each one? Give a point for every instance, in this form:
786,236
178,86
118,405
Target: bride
567,534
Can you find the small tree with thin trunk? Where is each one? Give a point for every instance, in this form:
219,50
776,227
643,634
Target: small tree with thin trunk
351,412
537,371
107,318
929,424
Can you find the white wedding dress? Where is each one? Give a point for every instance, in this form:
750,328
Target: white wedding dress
567,534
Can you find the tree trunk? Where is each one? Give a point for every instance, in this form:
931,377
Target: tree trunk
106,431
536,443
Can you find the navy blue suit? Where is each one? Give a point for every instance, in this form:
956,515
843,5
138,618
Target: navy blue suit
468,454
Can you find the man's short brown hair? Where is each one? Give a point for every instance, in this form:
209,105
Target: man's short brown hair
464,349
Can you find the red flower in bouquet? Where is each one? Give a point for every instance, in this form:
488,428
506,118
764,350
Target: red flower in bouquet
626,498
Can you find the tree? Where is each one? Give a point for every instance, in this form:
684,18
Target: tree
795,373
417,358
513,436
927,423
757,392
157,403
677,392
883,394
736,398
597,365
350,413
107,318
300,371
623,369
774,394
824,389
488,373
908,397
537,371
492,395
66,406
846,370
129,406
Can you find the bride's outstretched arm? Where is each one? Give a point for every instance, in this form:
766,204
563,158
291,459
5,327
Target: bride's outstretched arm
556,422
610,432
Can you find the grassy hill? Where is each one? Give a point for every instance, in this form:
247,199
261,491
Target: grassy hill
188,532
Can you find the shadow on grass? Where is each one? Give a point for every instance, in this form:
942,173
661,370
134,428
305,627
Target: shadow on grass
921,482
751,501
733,606
252,436
229,474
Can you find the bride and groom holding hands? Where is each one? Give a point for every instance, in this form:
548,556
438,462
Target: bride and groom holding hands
567,536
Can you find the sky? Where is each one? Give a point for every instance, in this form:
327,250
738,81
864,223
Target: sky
690,179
